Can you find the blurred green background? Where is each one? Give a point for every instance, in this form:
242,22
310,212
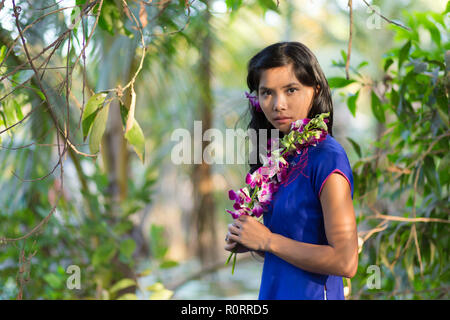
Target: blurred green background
138,226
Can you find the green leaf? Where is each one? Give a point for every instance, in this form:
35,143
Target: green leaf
338,82
157,242
444,164
362,64
168,264
157,286
123,114
109,17
38,91
388,63
90,111
265,4
103,254
127,296
145,273
8,108
161,295
355,146
53,280
122,284
351,103
135,137
123,227
234,5
410,201
127,247
403,54
3,117
432,252
18,108
98,129
159,292
2,53
434,31
409,264
377,108
344,55
430,172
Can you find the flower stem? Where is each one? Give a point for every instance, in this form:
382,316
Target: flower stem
254,193
229,257
233,253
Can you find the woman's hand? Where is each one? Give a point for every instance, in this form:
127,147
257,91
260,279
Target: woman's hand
233,246
250,233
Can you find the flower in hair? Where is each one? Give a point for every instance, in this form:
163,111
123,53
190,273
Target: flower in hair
253,101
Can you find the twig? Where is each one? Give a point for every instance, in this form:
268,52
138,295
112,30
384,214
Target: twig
88,8
424,154
378,215
141,63
384,18
414,229
349,50
381,227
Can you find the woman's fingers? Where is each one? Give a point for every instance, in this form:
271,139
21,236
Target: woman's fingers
233,229
230,246
236,247
231,238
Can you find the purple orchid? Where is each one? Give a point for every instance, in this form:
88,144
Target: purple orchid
240,197
299,124
266,193
253,101
258,209
242,211
258,177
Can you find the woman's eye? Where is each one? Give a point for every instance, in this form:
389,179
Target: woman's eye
292,90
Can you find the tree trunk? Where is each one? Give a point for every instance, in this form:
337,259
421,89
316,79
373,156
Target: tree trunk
204,206
116,157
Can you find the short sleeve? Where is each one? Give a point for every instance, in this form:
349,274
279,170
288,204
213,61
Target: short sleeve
327,162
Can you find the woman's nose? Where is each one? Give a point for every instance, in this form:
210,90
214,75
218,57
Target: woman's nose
279,103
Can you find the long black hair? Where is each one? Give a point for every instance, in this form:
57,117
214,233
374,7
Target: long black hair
308,72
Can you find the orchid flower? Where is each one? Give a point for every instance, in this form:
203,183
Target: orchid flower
258,177
240,197
242,211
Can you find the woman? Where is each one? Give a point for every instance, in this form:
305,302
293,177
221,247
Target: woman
309,238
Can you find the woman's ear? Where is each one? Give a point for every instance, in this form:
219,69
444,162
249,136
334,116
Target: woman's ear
318,88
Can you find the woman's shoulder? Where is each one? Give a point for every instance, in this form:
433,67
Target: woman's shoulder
326,158
328,147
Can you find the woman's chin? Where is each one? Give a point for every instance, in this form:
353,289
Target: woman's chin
285,128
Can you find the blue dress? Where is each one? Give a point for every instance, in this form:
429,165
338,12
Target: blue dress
296,213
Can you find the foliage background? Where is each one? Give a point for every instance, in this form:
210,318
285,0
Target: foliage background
140,227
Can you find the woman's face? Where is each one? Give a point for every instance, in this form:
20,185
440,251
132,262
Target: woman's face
283,98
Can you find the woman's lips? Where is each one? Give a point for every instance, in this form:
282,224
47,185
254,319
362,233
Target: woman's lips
283,120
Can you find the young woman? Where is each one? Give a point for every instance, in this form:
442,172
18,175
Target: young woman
309,238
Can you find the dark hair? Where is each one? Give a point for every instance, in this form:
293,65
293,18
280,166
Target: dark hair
306,69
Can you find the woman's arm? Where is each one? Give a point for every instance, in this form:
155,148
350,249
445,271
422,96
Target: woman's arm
339,257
